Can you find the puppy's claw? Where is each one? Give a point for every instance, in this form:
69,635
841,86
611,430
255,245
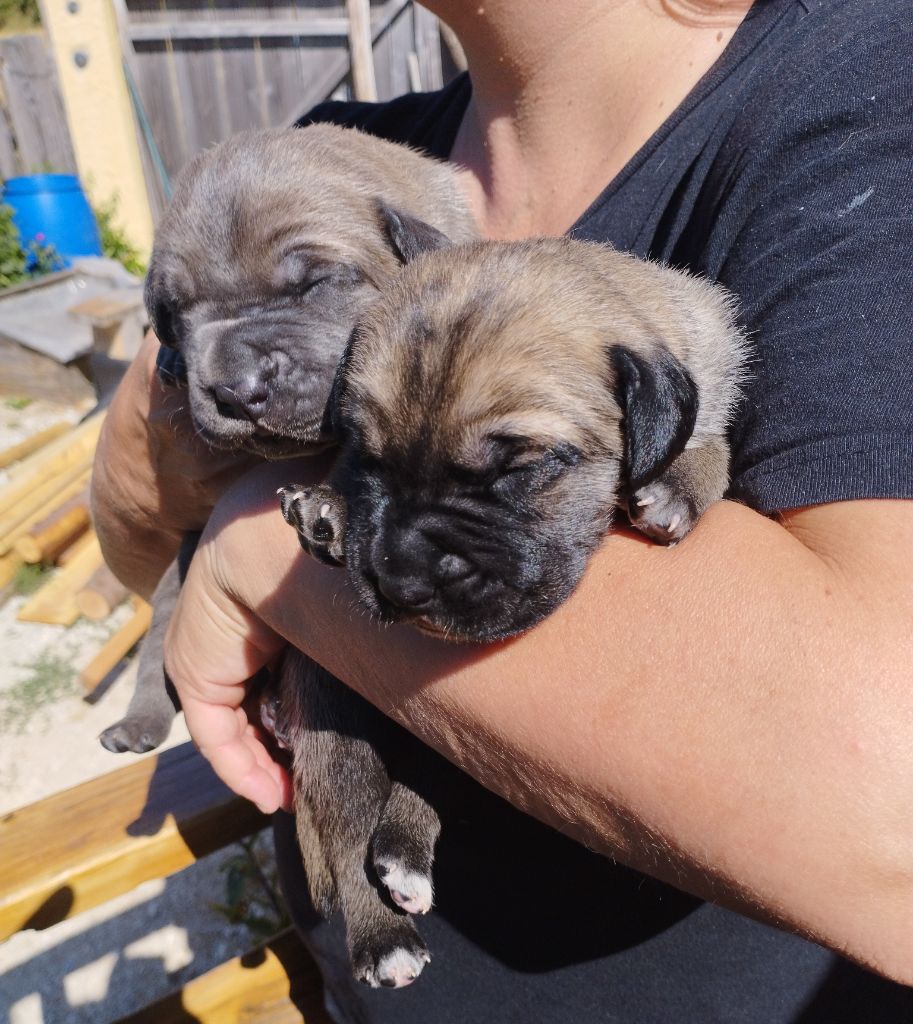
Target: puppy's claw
662,513
396,967
410,890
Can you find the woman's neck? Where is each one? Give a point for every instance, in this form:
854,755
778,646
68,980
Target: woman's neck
565,94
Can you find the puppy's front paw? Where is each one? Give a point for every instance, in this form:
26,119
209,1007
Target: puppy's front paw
661,512
319,516
392,960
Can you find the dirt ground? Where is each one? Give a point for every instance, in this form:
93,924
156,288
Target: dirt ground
118,957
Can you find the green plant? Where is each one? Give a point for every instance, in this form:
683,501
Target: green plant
41,258
50,678
18,264
13,259
29,578
19,14
18,402
251,894
114,242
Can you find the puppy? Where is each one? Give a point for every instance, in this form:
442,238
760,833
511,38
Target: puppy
495,407
271,249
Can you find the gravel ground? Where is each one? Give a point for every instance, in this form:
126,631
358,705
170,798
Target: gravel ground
118,957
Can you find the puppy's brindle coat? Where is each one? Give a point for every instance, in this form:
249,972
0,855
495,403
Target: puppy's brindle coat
274,245
494,408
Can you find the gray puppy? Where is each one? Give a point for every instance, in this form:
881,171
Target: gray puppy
274,244
494,408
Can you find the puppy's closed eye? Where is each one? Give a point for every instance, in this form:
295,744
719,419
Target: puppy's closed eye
527,468
300,272
514,466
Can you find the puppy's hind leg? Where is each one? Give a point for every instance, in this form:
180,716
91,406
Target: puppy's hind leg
402,848
667,508
341,786
154,703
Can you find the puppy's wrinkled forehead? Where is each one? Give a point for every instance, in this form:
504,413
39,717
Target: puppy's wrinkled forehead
461,349
246,214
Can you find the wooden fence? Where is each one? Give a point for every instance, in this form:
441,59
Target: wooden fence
203,69
33,127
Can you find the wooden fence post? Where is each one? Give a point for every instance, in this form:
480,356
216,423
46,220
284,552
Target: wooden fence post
34,129
84,37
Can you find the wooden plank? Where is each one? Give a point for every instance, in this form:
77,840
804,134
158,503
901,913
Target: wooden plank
55,602
98,598
9,566
75,549
61,498
277,983
31,444
25,514
52,459
428,48
129,634
24,372
35,106
235,28
82,847
337,73
44,544
361,53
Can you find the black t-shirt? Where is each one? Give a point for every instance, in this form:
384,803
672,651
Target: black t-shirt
787,174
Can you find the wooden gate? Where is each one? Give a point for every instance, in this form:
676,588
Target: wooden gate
204,69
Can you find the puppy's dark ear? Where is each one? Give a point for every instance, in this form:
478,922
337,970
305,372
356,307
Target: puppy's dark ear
660,401
161,312
332,425
408,236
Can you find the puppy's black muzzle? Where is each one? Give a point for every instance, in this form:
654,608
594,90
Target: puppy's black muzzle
417,574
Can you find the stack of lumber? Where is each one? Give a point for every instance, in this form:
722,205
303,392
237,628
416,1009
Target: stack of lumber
44,519
44,505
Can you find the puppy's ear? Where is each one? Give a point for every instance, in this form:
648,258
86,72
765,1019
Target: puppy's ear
332,425
660,401
408,236
160,310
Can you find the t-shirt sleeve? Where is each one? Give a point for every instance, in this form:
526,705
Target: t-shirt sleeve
819,212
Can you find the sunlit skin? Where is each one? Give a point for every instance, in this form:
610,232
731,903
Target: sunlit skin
732,715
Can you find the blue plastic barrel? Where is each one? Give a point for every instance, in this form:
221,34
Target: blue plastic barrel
53,208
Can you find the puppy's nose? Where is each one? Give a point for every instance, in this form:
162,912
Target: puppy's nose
405,592
246,399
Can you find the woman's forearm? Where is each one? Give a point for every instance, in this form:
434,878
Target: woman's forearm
733,715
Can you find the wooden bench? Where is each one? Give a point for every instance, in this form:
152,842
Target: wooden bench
82,847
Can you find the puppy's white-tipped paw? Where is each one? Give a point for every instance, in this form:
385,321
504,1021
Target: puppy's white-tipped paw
410,890
396,969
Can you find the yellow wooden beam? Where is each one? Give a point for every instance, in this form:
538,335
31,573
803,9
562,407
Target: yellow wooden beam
278,983
81,847
86,45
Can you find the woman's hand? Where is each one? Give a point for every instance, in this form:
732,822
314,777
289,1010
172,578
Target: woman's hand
216,644
154,479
